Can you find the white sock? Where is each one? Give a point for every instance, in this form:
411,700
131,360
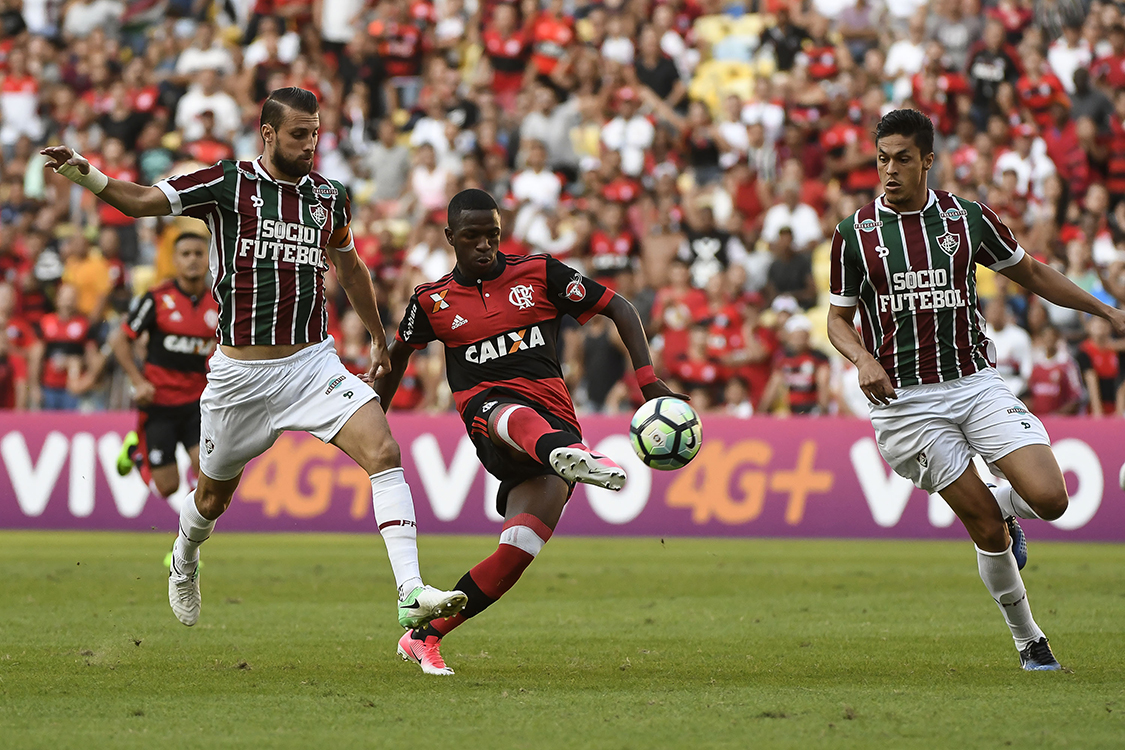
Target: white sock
1011,504
194,531
394,512
1002,579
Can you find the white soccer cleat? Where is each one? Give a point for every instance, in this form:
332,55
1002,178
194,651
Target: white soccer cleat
184,596
577,465
426,603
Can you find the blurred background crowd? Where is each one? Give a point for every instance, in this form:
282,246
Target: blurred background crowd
693,154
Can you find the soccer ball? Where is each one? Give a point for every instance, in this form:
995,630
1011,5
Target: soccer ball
666,433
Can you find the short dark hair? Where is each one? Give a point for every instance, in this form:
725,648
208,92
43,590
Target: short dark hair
191,236
469,200
290,97
908,122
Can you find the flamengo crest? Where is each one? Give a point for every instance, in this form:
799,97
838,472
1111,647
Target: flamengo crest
319,214
521,296
949,243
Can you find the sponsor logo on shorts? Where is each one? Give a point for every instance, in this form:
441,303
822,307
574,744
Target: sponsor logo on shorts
1017,410
334,383
489,406
1026,425
155,456
923,460
348,394
209,445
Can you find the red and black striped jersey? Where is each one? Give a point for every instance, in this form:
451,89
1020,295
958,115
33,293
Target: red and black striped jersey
913,276
268,241
181,336
500,333
63,338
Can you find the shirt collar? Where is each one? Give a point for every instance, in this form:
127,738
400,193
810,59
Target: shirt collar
494,273
880,203
264,174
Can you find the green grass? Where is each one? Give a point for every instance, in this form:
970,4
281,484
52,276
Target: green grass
606,643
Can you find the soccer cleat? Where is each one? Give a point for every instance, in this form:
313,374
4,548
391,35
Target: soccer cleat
1037,657
184,596
577,465
1019,541
125,457
426,603
426,653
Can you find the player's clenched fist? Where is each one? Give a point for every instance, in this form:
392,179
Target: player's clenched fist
875,383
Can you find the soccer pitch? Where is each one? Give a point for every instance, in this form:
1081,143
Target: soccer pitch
605,643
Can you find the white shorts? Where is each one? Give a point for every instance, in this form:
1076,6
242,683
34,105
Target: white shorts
931,432
248,404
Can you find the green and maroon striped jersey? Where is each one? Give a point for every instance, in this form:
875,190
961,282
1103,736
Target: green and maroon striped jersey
913,275
268,241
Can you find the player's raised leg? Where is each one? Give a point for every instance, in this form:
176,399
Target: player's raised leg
366,438
975,505
523,430
533,510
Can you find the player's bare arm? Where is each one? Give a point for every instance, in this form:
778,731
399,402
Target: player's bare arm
873,379
1052,286
387,384
632,332
143,390
129,198
356,282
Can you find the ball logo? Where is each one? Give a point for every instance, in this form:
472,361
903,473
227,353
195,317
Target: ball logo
522,296
576,290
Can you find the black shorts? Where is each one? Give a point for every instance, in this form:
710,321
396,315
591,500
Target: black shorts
503,464
162,427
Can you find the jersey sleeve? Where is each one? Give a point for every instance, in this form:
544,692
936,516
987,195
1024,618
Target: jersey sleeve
141,317
415,330
196,193
574,294
998,248
342,219
847,272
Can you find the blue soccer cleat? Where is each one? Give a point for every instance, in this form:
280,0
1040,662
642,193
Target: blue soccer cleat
1019,541
1037,657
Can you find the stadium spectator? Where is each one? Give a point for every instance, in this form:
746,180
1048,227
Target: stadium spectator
1055,385
65,344
1102,365
1013,345
801,373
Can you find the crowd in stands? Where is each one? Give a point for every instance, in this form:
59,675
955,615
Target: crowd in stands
693,154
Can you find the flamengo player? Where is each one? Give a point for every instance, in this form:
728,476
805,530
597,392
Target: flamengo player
498,318
274,225
180,319
907,259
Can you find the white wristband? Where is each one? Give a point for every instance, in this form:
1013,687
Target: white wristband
95,181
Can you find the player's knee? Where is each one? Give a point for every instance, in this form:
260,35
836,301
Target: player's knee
988,533
1050,504
383,454
167,486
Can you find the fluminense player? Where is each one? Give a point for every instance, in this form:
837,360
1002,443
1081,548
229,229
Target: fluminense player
498,318
275,224
908,261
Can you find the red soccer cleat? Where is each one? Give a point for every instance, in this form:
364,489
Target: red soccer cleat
425,653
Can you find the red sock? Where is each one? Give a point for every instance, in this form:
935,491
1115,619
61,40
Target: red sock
522,427
522,538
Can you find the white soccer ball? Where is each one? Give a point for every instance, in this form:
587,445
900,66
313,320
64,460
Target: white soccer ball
666,433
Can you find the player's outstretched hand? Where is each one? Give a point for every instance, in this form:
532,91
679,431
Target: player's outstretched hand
60,156
875,383
1116,319
380,364
658,389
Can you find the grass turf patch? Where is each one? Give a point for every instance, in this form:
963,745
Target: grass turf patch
605,643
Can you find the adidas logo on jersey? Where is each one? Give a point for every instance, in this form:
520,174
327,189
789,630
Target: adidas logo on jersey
502,346
458,322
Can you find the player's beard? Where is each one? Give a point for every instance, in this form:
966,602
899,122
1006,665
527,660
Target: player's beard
294,168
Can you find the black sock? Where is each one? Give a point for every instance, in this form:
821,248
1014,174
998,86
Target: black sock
552,440
478,602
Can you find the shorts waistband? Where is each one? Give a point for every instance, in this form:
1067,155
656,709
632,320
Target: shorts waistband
292,359
947,385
